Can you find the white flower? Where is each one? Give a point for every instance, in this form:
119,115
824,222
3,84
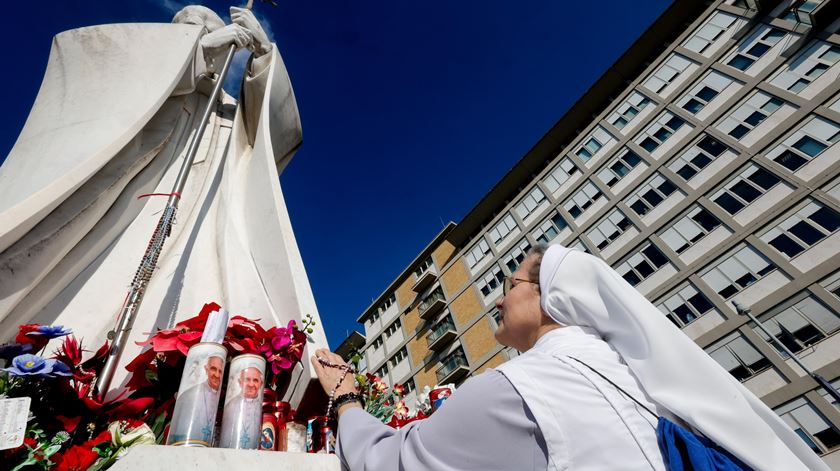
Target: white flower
121,436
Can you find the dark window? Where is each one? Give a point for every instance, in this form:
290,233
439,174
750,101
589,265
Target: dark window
790,160
693,106
700,303
655,255
741,62
763,178
711,145
687,172
739,131
706,220
758,50
806,233
755,118
649,144
786,245
730,204
827,218
706,94
632,278
809,146
746,191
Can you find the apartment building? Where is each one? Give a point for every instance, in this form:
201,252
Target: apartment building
703,167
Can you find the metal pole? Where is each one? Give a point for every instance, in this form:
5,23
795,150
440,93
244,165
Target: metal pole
820,380
131,305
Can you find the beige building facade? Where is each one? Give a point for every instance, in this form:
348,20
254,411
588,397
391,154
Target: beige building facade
703,167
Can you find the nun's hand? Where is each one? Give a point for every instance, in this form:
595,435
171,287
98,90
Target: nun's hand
329,376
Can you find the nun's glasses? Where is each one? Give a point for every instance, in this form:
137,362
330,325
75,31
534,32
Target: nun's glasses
509,284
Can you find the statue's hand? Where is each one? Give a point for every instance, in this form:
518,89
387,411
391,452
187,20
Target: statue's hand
245,18
222,38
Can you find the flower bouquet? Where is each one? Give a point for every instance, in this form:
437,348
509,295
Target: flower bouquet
69,429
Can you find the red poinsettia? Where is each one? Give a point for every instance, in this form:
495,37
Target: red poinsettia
77,458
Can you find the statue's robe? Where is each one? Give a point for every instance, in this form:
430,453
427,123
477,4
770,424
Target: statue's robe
111,122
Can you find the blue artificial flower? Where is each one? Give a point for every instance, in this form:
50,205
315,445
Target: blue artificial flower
51,331
33,365
11,350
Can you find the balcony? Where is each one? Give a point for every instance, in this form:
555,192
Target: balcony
442,334
432,305
424,280
453,367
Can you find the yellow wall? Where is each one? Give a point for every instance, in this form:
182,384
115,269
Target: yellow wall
479,340
442,253
455,277
465,307
493,362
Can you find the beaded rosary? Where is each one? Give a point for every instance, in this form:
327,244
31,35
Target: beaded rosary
344,398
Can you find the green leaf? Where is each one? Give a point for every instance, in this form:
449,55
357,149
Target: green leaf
51,450
29,461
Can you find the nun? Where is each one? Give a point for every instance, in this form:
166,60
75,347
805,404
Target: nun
600,369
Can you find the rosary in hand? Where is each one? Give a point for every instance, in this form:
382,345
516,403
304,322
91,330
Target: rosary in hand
336,402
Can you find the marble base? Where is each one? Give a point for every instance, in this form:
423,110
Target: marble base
156,457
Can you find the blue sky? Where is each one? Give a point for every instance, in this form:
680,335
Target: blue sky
411,111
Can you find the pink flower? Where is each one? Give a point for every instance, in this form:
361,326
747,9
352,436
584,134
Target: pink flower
285,347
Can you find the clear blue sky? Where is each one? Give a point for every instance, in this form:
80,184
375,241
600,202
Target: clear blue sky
411,111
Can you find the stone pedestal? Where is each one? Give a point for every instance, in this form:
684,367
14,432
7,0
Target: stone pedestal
160,458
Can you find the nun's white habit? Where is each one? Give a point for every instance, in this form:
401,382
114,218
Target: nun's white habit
544,410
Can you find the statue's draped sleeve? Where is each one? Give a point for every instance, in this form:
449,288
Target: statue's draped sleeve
102,85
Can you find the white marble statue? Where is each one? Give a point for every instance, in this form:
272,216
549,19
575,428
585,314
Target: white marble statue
111,122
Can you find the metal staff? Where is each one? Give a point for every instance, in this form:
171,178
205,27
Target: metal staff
131,305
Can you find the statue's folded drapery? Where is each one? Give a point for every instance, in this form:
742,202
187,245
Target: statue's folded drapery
112,121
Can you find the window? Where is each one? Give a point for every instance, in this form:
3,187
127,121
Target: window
608,230
382,372
594,142
750,114
495,317
560,175
502,229
810,425
737,356
491,281
378,343
642,264
409,386
549,229
530,203
808,226
667,73
619,167
705,91
755,47
512,260
388,302
583,199
797,75
628,110
685,305
689,229
709,32
737,271
657,133
807,143
799,325
744,189
374,316
800,12
477,254
697,157
392,329
401,355
579,245
424,265
650,194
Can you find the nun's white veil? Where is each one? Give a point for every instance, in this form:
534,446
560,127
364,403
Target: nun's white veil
580,289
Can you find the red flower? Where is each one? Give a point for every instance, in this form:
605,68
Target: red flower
104,436
77,458
70,352
37,341
198,322
68,423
